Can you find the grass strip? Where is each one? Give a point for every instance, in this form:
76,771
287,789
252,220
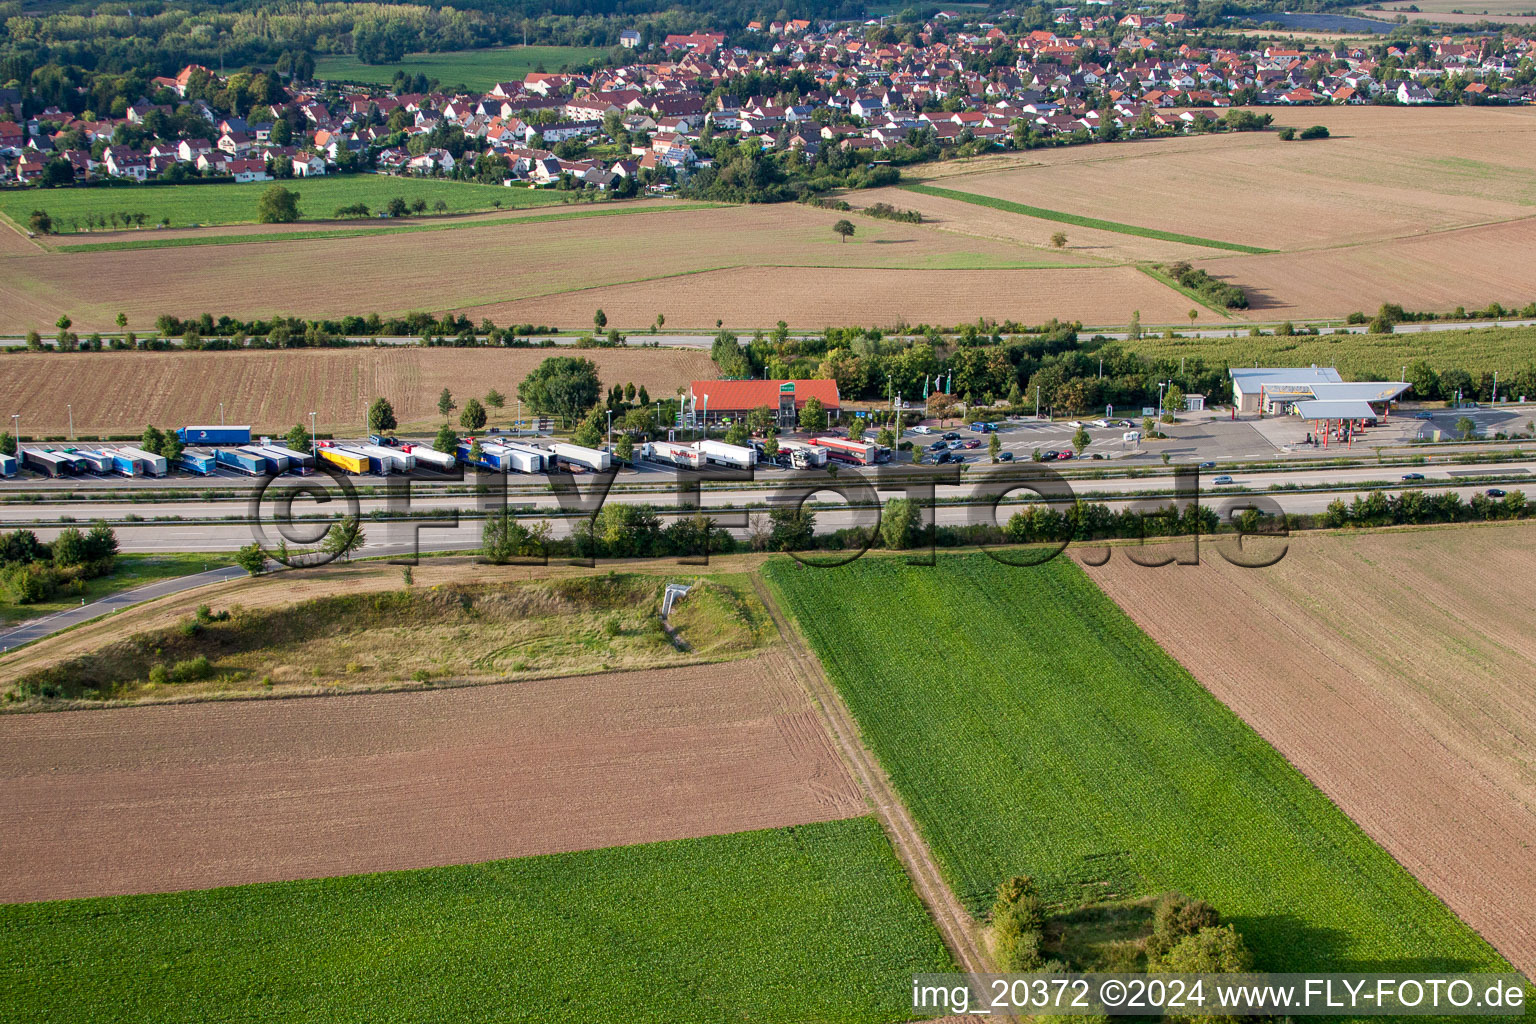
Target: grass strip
1083,222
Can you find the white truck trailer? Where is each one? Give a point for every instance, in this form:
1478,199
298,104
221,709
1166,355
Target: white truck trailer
594,459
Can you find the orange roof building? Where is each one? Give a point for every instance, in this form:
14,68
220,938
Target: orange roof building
716,400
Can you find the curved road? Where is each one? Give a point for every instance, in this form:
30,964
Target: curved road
59,621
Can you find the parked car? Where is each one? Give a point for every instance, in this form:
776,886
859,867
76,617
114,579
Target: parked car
1098,456
1075,424
1099,423
1125,423
1423,415
1063,455
991,428
1494,492
943,457
938,446
973,443
956,457
922,430
1049,453
978,427
1413,476
1005,457
1223,479
957,443
950,435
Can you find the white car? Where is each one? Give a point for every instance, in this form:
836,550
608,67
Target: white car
922,430
1099,423
1075,424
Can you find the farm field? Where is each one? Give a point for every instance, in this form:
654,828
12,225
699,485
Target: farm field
191,796
1454,12
746,297
1468,267
1357,356
272,390
653,933
479,269
400,639
1032,728
1385,668
236,203
1387,173
477,70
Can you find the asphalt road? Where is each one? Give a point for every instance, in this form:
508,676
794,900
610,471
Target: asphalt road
39,628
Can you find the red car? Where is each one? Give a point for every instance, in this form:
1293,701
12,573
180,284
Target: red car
1063,455
973,443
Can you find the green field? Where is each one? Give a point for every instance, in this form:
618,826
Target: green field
1359,356
1032,728
477,70
813,923
236,204
1008,206
132,571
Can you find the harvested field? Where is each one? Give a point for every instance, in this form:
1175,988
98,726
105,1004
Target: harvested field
1388,669
193,796
1454,12
474,269
273,390
1388,172
815,297
1470,267
1088,244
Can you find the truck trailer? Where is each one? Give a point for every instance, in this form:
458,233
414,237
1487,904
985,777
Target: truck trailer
594,459
298,462
733,455
398,461
538,459
348,461
430,458
46,463
860,453
7,465
214,435
96,462
804,456
201,463
673,453
273,463
242,460
154,465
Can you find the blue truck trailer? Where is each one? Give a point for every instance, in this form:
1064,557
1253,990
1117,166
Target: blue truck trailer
214,435
245,462
200,463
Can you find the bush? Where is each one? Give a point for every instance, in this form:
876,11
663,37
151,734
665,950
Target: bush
1317,131
1018,924
191,670
1176,918
158,675
1218,293
1287,134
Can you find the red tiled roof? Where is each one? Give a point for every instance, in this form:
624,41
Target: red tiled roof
751,394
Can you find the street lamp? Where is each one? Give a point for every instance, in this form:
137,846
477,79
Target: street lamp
221,414
71,422
705,415
1160,385
314,443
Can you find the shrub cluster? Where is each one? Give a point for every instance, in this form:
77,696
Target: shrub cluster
1218,293
885,211
31,571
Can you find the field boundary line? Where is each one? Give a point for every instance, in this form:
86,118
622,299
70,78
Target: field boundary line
1040,212
952,919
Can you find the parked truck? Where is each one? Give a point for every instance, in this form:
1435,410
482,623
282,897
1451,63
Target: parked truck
398,461
804,456
588,458
298,462
154,465
241,460
201,463
126,464
672,453
860,453
430,458
96,462
8,465
733,455
46,463
272,463
349,461
214,435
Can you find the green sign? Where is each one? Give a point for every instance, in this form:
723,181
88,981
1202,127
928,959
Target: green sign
788,387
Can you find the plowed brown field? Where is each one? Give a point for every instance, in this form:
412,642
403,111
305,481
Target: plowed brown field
194,796
273,390
818,297
1394,669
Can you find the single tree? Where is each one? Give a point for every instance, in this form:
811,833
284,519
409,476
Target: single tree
1080,440
63,323
856,428
344,537
252,559
736,433
447,441
1194,314
1466,428
624,448
771,444
473,416
813,415
495,399
122,320
844,228
1059,239
445,403
381,416
151,439
40,223
7,443
297,439
396,207
277,205
600,319
994,446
